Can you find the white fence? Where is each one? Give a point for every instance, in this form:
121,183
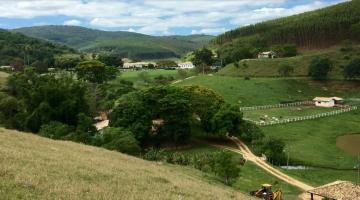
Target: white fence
309,117
282,105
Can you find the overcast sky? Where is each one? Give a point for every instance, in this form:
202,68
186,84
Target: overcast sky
154,17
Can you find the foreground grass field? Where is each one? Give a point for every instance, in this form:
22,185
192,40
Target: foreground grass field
33,167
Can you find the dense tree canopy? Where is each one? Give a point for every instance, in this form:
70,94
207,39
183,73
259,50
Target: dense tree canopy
18,50
95,71
40,99
111,60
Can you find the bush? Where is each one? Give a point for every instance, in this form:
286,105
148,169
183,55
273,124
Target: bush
285,70
227,120
319,68
352,70
120,140
226,167
274,150
55,130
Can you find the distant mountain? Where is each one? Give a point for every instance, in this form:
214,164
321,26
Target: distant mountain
17,50
128,44
316,29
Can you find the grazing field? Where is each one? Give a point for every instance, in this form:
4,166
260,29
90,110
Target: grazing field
251,176
284,113
33,167
265,91
135,75
313,142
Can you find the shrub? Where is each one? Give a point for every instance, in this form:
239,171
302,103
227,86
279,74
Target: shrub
120,140
352,70
285,70
55,130
226,167
319,68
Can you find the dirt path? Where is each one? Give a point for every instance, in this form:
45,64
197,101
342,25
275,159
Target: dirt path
248,155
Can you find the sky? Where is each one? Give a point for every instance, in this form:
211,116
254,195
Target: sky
152,17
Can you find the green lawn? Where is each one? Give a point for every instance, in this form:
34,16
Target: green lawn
284,113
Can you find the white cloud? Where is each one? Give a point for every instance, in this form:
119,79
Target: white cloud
72,22
157,16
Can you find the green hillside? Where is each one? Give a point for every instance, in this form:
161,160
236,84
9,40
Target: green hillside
38,168
300,64
17,49
316,29
128,44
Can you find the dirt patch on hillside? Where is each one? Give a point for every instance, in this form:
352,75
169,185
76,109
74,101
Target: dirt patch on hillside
336,86
349,143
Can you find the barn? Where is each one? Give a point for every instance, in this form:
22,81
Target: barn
327,102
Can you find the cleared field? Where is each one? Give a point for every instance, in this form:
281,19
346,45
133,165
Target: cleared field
284,113
33,167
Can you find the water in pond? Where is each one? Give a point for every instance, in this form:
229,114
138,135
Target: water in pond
349,143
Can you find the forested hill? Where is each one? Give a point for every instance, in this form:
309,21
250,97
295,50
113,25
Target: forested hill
127,44
17,50
310,30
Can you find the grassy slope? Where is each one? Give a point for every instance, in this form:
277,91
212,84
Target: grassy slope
33,167
270,67
311,142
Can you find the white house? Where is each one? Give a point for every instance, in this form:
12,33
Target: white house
7,68
186,65
327,102
267,54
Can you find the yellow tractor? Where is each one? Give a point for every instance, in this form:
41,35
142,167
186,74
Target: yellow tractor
266,193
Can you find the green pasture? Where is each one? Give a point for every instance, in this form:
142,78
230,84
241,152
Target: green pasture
285,112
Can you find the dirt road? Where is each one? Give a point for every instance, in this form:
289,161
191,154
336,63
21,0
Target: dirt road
248,155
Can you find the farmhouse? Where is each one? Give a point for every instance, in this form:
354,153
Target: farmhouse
267,54
186,65
327,102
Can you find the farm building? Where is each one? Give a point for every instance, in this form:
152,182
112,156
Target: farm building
338,190
134,65
7,68
327,102
186,65
267,54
